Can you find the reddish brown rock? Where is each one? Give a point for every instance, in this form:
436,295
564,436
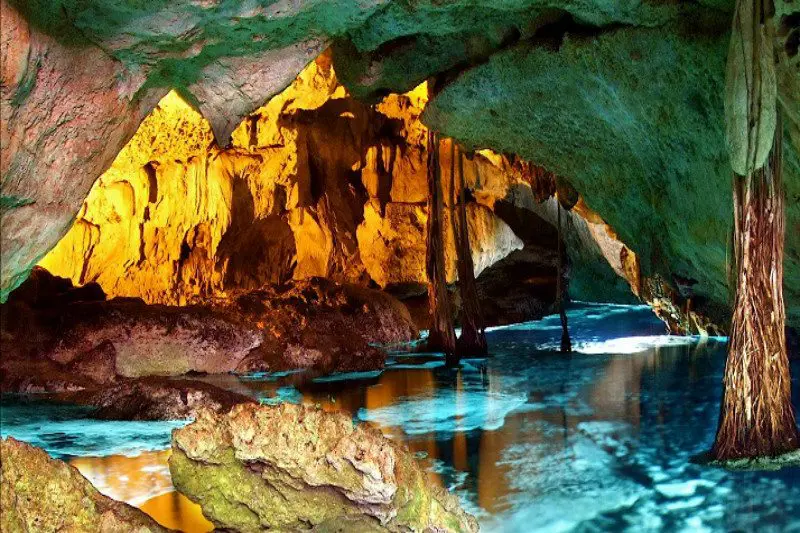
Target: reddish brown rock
34,375
323,325
155,398
311,324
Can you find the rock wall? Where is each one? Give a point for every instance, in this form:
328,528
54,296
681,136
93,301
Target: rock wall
632,148
314,184
633,116
78,77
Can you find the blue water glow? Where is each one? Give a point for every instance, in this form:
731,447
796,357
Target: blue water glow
531,439
66,430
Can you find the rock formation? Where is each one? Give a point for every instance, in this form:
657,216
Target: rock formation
650,158
315,184
311,324
293,467
507,73
45,495
157,398
78,78
54,145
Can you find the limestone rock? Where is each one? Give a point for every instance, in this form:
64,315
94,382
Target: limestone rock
233,87
155,340
67,109
392,246
176,219
24,374
404,44
45,495
79,77
323,325
649,158
294,467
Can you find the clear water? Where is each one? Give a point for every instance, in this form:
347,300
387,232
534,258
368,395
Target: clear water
531,440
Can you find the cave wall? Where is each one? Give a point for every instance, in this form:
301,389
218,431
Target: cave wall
80,76
621,98
313,184
633,116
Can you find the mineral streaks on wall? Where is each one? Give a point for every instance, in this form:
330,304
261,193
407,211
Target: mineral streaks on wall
314,184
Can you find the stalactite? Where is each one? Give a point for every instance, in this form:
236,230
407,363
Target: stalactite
441,337
566,343
472,341
756,415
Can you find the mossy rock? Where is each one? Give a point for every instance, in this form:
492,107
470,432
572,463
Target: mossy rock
292,467
633,117
41,494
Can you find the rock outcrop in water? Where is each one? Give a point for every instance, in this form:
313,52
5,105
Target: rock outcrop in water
43,495
157,398
293,467
311,324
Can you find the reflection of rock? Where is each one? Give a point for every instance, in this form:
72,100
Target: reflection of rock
314,323
294,467
45,495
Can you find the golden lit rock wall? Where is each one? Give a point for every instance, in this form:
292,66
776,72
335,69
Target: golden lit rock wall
313,184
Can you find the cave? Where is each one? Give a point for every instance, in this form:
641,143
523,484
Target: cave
399,266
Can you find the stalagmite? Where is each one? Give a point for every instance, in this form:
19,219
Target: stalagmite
442,337
566,343
472,341
756,416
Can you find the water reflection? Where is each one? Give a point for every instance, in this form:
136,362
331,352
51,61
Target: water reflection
532,440
144,481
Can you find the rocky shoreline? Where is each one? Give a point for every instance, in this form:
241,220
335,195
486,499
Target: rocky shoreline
117,354
250,468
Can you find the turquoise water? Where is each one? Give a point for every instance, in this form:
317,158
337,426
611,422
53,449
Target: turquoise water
530,439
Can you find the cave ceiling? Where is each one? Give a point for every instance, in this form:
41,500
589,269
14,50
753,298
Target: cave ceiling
624,98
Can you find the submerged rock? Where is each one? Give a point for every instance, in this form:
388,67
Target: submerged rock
293,467
41,494
156,398
778,462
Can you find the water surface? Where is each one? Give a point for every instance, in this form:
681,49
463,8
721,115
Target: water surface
530,439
